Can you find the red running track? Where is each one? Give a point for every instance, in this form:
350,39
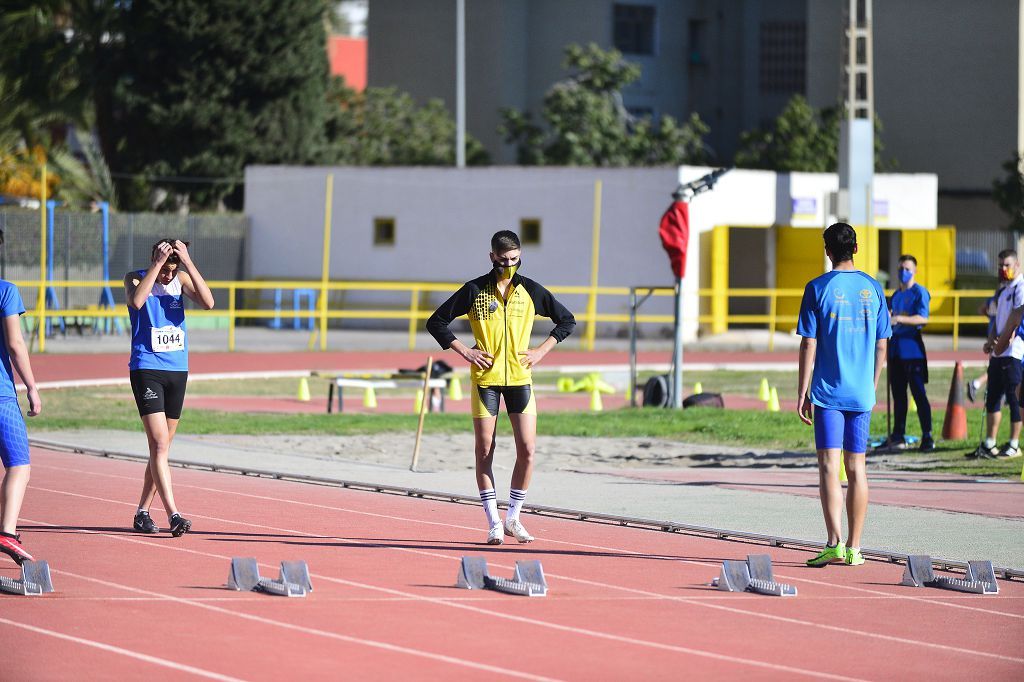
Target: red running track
624,603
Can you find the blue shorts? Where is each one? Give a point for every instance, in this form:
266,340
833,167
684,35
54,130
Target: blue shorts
13,436
835,429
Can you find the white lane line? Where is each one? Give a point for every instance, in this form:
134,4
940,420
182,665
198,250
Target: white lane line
418,598
173,665
792,578
269,621
796,621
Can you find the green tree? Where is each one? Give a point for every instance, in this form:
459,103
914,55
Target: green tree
586,124
208,87
385,127
51,74
801,138
1009,191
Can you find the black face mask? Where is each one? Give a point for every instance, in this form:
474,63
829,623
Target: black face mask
506,271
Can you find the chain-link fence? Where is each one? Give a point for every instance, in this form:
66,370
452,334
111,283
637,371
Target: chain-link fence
976,252
217,244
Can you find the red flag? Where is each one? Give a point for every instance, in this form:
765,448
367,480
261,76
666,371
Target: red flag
675,235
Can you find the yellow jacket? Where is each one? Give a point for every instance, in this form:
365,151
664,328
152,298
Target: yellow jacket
500,327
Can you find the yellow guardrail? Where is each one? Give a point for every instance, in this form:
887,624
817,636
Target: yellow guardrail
718,315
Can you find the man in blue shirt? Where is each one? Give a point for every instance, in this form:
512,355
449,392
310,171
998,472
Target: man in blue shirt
845,326
908,361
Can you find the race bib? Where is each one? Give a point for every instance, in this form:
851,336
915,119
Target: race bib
168,339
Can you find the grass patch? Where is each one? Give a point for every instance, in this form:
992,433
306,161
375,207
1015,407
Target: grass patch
114,408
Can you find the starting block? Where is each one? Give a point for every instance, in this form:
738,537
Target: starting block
528,580
753,575
293,580
980,577
35,580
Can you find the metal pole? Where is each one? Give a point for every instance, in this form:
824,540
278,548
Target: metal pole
632,347
325,270
460,83
677,349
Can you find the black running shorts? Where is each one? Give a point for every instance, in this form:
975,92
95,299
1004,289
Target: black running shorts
518,400
158,390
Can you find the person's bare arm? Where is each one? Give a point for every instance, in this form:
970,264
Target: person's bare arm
473,356
535,355
808,349
1009,331
192,282
913,320
18,352
138,290
880,348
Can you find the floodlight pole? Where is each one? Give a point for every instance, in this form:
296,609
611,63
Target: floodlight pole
686,193
460,83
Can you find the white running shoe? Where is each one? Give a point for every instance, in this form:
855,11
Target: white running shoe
494,536
515,529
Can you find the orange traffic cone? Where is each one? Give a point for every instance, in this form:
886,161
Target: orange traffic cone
954,426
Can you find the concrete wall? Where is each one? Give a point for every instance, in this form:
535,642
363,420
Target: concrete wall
445,217
947,83
515,50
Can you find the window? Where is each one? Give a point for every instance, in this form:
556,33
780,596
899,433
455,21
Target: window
698,42
529,230
633,30
383,231
783,68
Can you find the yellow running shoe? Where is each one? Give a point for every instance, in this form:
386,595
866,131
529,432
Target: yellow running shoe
854,557
829,555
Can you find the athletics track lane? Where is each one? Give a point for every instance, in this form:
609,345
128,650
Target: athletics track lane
624,603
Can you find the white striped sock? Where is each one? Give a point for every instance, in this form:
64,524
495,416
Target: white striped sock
490,502
516,498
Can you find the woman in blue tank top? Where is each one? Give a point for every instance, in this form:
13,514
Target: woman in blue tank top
14,452
158,367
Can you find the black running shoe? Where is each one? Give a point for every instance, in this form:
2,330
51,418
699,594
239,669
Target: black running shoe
180,525
144,523
982,452
927,444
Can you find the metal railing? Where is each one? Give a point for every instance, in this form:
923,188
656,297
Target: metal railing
713,311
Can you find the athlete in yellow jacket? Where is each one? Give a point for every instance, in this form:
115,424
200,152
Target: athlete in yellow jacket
501,307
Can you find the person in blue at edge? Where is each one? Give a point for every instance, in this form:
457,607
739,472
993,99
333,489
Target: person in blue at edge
845,325
158,367
908,360
13,437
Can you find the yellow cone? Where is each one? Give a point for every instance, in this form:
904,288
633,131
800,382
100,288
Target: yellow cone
912,406
697,388
418,403
565,384
454,389
842,470
763,393
773,400
370,398
595,401
304,389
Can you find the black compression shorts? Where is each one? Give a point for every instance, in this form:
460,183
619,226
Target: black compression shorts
518,400
158,390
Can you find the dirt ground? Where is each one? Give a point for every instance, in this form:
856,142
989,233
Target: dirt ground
553,453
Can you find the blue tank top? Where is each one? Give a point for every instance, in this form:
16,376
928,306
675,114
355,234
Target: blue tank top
10,304
159,339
